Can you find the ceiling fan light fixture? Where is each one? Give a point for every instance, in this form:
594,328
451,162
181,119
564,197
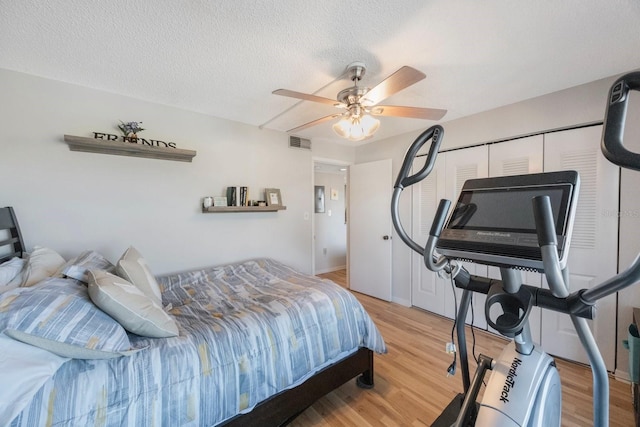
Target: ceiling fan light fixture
361,103
357,128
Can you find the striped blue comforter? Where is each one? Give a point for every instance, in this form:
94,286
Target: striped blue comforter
247,331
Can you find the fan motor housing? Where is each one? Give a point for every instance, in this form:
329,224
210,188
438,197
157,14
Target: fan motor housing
352,94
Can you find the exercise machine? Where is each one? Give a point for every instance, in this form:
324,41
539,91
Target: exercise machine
518,223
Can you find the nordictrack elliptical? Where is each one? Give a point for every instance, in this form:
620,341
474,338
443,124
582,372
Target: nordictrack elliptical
518,223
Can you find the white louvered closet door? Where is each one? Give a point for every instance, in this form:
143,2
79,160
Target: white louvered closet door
593,252
519,157
461,165
426,292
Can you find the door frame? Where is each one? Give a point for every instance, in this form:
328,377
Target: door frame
327,161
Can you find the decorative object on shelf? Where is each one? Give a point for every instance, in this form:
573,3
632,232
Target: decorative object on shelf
130,129
319,198
207,202
273,197
128,147
220,201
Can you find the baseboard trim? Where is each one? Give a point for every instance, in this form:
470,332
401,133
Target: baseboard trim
331,269
401,301
621,375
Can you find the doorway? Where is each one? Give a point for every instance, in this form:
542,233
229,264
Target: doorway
329,223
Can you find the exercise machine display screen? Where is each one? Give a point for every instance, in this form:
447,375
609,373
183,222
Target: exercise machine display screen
493,220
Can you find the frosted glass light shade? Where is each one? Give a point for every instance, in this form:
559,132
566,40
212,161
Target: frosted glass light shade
357,128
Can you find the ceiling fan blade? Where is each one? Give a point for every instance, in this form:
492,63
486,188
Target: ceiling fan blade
412,112
403,78
307,97
314,122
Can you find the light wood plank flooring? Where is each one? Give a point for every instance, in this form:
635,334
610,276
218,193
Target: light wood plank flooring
411,385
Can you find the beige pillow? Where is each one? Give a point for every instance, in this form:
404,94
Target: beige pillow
129,306
133,268
42,263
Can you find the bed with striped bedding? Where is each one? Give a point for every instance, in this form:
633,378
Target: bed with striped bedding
247,331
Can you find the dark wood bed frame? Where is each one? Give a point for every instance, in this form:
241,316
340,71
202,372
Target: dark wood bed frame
278,410
281,409
13,240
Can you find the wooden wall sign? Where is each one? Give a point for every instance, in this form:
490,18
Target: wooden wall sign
105,143
134,140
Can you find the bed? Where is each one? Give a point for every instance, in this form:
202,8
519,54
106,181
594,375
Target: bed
255,343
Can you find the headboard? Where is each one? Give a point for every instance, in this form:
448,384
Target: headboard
11,243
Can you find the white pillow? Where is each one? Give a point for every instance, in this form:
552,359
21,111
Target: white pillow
133,268
10,269
42,263
127,304
25,369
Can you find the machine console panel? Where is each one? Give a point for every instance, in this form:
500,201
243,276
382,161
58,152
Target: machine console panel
493,221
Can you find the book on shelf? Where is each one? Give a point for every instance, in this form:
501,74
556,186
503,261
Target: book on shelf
231,196
244,191
237,196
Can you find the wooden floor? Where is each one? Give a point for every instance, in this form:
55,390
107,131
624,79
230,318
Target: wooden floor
411,385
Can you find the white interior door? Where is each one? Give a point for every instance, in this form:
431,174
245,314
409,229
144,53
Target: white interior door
370,189
593,251
426,291
517,157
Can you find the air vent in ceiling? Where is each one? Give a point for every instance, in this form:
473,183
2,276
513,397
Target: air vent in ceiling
297,142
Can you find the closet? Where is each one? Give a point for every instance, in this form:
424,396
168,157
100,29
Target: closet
593,254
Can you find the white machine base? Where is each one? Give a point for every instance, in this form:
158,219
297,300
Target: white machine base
517,381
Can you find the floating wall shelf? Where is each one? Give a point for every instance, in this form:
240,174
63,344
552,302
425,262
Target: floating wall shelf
91,145
221,209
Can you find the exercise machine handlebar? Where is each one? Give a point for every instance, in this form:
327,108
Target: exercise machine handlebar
433,263
546,231
435,134
614,123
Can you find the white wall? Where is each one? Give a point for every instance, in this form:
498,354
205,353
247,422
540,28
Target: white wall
72,201
584,104
330,227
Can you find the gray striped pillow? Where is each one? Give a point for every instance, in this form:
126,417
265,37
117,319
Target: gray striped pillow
58,315
78,268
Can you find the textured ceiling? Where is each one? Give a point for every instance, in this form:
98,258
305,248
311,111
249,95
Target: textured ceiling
225,57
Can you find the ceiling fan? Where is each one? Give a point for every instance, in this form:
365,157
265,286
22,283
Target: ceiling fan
361,103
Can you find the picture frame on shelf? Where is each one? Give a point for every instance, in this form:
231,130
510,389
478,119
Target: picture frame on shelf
273,197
